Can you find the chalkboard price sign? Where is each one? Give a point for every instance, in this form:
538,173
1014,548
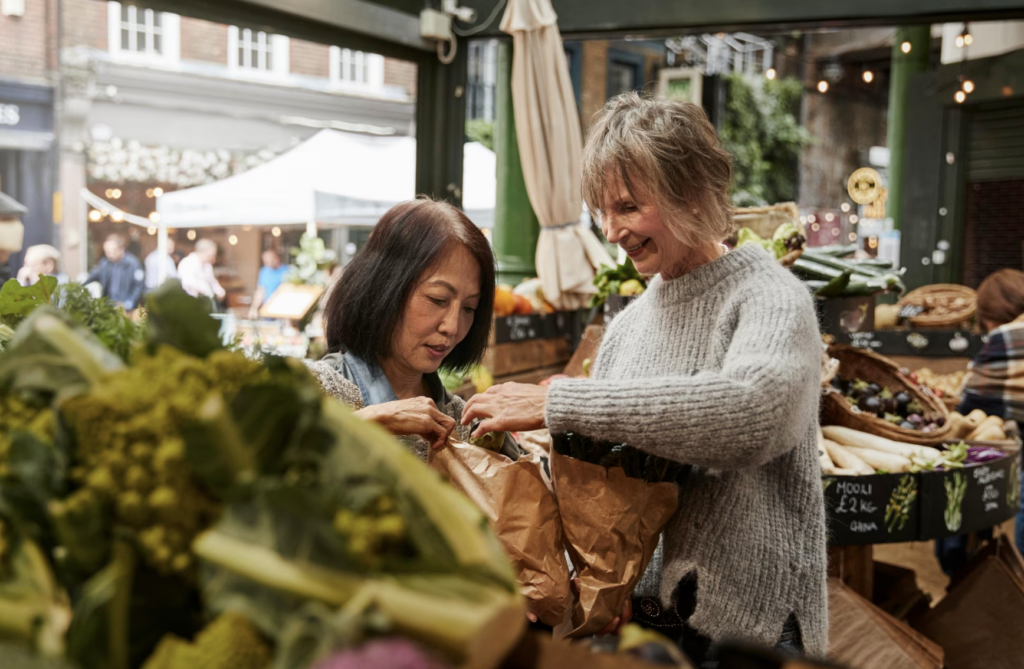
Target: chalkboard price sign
974,498
876,509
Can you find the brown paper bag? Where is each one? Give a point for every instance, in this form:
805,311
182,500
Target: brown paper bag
524,515
611,524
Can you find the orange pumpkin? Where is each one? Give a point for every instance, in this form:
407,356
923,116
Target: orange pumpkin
504,302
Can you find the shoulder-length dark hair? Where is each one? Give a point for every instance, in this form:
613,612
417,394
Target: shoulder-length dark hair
366,306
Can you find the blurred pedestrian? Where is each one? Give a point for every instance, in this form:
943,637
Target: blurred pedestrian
40,260
119,274
196,271
153,262
271,276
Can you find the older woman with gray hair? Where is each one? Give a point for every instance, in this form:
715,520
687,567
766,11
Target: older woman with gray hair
716,366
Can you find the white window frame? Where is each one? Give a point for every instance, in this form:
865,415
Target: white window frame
278,46
170,37
373,62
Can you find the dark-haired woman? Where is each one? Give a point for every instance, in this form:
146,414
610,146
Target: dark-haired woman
417,298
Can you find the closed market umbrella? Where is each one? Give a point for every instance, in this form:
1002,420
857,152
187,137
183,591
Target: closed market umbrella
551,148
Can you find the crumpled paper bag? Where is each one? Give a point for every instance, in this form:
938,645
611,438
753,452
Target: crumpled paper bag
524,515
611,524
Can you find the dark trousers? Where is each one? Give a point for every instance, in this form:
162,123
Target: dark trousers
672,623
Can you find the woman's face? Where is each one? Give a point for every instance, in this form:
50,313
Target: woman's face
637,227
438,314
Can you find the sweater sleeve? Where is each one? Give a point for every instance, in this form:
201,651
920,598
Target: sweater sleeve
757,407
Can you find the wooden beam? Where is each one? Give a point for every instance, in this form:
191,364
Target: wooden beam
611,18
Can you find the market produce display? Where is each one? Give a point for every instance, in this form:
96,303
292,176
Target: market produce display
943,385
786,244
101,316
828,274
897,408
846,452
196,508
620,280
526,298
977,426
939,305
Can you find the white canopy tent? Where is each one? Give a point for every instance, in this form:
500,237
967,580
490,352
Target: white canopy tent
333,178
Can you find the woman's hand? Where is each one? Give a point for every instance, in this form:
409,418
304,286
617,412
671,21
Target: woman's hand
509,407
417,415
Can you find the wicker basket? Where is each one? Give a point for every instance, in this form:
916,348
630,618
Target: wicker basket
926,295
856,363
764,220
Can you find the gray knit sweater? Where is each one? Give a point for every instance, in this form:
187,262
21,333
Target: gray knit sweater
720,369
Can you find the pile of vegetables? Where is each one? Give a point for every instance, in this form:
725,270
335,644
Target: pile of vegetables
622,279
526,298
846,452
786,240
897,408
828,274
977,426
195,508
635,463
942,385
101,316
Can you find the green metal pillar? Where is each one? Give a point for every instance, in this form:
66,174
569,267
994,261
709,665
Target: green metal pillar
904,66
515,225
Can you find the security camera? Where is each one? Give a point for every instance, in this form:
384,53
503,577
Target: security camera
464,14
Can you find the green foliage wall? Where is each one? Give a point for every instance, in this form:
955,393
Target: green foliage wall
762,132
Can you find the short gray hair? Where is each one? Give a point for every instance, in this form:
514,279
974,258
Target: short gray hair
668,150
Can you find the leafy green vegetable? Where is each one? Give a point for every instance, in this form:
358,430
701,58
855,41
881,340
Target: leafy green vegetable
177,319
102,316
609,279
17,301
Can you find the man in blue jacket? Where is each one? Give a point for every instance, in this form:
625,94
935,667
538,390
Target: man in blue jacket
119,273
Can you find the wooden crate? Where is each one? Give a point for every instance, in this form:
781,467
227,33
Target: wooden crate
523,356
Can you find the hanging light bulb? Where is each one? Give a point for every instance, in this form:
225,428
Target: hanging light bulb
157,192
116,216
191,235
959,41
151,230
966,34
868,76
233,239
823,86
852,236
854,218
770,73
845,207
95,215
276,231
906,47
968,86
154,216
960,96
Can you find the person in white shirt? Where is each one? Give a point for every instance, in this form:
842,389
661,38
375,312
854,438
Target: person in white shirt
196,271
153,262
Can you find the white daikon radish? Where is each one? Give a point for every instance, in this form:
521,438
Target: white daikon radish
848,437
839,471
894,464
847,460
823,459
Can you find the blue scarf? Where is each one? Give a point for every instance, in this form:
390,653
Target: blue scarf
373,383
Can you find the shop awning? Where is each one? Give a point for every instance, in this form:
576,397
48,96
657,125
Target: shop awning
333,178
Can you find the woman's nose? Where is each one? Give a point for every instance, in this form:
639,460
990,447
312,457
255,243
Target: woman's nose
450,323
613,232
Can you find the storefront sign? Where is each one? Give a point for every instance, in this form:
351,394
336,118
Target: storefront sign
26,117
